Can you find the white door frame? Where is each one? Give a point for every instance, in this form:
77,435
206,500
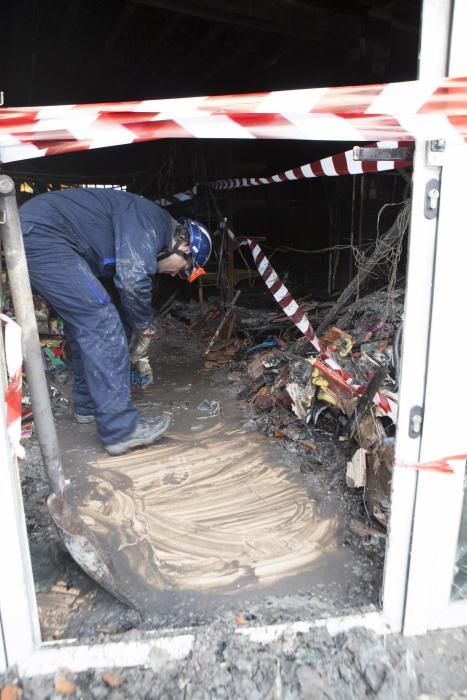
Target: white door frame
418,569
426,506
439,497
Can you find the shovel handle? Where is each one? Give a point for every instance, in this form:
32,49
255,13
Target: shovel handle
20,287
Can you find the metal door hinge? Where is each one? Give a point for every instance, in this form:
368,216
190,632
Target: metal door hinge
415,421
436,152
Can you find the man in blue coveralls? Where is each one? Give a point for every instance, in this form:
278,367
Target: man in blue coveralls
75,237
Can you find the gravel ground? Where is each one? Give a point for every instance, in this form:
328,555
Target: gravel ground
315,666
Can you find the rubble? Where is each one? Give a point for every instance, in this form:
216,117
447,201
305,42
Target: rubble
112,680
314,467
355,476
63,684
224,663
291,392
379,475
12,692
54,356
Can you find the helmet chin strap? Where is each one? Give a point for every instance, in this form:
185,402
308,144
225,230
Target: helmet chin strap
195,271
170,251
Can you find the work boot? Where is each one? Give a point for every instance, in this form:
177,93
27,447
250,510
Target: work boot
84,419
147,431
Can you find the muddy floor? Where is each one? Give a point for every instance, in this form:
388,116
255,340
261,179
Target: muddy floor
213,521
272,521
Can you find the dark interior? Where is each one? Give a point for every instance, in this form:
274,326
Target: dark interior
89,51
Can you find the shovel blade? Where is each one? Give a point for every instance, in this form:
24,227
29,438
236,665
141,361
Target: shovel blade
85,548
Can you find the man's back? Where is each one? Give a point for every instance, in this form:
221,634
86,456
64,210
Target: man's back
95,221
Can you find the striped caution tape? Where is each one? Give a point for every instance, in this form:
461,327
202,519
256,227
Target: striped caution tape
185,196
299,317
331,166
442,465
420,109
14,363
339,164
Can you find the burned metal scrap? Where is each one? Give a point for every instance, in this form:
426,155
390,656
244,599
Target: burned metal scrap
301,396
293,393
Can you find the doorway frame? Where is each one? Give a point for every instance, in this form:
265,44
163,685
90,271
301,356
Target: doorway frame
421,547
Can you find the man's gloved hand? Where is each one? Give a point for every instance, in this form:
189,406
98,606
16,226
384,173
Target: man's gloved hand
143,372
140,342
139,354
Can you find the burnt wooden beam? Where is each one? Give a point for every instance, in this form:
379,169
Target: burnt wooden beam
365,401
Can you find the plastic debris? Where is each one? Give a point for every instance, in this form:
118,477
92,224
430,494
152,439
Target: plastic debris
355,476
301,398
211,407
270,342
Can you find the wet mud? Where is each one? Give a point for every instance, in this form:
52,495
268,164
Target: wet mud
212,520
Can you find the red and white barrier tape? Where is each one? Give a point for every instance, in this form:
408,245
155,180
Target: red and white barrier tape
423,109
331,166
185,196
14,363
298,316
339,164
442,465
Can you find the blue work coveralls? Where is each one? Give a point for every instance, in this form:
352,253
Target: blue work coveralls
72,238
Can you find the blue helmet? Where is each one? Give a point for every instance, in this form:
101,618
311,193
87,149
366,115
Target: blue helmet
200,245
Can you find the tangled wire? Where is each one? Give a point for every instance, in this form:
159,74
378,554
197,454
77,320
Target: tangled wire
385,258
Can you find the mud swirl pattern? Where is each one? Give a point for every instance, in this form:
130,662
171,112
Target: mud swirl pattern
203,514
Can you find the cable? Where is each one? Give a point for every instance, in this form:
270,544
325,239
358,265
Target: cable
289,249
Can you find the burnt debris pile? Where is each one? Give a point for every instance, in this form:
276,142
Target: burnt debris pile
346,393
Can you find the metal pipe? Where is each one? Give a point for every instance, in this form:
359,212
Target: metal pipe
20,287
397,353
337,252
223,320
331,244
352,225
360,212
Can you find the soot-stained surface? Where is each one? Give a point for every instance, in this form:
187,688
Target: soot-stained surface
211,522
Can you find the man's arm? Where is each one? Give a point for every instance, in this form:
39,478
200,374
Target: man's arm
135,253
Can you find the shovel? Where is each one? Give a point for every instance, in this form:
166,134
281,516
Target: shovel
80,541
